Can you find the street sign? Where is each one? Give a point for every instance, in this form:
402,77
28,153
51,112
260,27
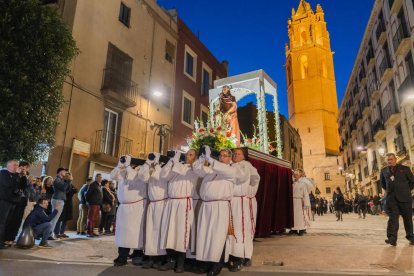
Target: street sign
81,148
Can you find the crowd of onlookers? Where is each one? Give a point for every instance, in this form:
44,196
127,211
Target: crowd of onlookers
46,205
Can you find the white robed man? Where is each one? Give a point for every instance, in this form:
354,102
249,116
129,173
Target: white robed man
214,218
157,197
240,246
309,186
132,197
178,214
300,201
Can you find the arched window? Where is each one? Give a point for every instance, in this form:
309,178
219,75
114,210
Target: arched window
304,66
303,38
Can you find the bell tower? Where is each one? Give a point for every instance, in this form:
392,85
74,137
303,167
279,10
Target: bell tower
311,88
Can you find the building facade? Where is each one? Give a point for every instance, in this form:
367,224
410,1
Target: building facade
291,142
120,86
376,114
312,99
196,71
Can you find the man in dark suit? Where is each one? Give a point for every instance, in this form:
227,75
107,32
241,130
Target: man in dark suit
398,181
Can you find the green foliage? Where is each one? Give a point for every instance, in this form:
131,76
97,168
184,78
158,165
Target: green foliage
36,48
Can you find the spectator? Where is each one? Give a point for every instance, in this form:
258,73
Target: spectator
47,191
94,201
67,212
108,203
41,222
9,195
16,216
60,187
83,208
339,202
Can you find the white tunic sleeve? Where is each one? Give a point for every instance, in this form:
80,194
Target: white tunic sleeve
180,169
143,173
224,170
200,169
166,171
242,172
254,175
155,176
118,174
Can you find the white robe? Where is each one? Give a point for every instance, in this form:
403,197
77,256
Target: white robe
178,212
300,193
241,244
157,196
191,253
216,192
132,196
309,188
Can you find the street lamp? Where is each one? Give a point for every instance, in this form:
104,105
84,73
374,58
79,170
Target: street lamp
157,94
381,151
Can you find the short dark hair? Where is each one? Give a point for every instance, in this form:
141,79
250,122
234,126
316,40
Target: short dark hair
89,179
40,200
98,174
60,169
23,163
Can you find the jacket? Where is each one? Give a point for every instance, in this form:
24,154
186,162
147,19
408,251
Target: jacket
60,188
398,185
38,216
10,186
94,194
82,194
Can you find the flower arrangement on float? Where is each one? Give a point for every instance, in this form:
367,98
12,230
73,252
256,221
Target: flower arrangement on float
254,142
215,137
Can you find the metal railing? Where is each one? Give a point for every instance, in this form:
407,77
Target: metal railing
119,83
399,35
380,29
370,54
377,125
388,110
372,86
367,138
384,65
111,143
399,144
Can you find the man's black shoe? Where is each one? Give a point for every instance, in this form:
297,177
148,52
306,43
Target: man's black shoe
412,242
247,262
235,267
200,269
215,270
169,265
120,261
292,232
148,264
138,261
51,239
179,269
393,243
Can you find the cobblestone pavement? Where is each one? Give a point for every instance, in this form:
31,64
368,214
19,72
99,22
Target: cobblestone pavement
350,247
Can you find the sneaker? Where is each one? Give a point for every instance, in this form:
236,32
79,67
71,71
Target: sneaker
51,238
64,236
169,265
44,245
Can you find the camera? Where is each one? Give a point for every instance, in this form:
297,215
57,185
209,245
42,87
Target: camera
171,154
134,161
151,157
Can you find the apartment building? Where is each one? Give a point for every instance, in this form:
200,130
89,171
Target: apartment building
376,115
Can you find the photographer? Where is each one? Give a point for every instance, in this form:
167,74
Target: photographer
60,187
10,186
178,216
132,196
15,219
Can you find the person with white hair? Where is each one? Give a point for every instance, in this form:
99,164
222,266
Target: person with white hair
247,179
300,198
215,220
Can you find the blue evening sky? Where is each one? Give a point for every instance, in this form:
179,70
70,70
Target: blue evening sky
251,35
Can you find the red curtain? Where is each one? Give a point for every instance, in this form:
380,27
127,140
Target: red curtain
274,198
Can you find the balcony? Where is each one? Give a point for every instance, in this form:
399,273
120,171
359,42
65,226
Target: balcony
401,41
395,6
119,89
108,146
373,90
381,33
399,145
365,107
367,139
374,166
390,113
378,129
385,70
